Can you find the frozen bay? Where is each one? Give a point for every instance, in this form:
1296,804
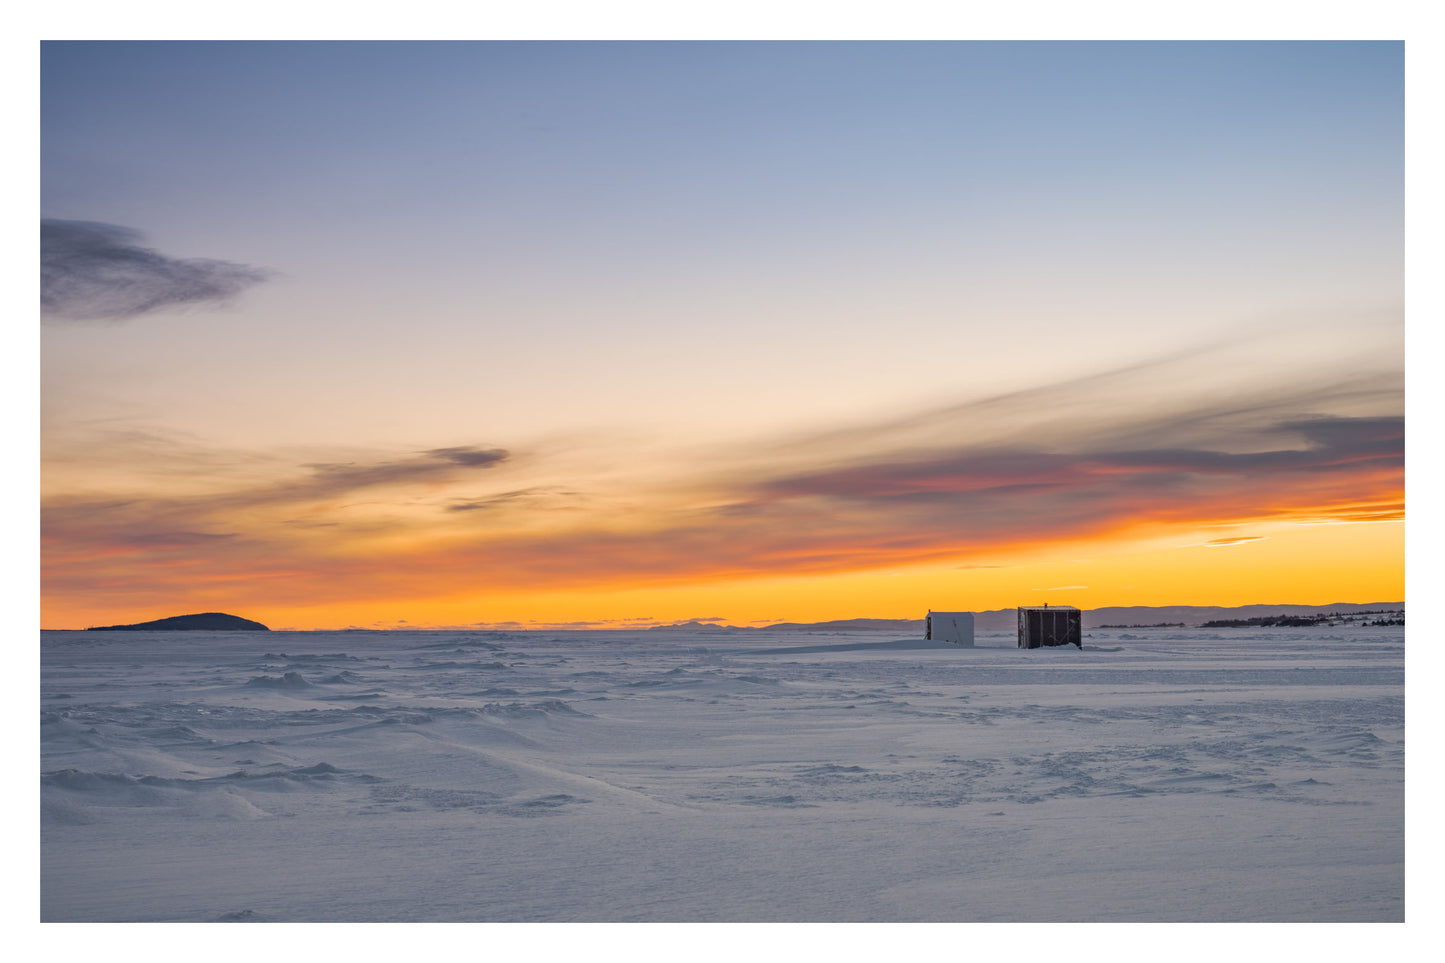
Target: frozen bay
1157,775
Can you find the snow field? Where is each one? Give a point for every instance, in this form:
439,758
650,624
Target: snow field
1158,775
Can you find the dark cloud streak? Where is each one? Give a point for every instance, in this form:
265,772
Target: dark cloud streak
1332,444
470,456
334,480
91,271
532,499
177,522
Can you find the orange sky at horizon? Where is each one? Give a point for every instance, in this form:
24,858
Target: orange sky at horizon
1308,511
1294,564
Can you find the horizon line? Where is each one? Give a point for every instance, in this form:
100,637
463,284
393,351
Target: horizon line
610,625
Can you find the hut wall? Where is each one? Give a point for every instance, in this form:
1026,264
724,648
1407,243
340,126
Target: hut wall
1044,626
955,627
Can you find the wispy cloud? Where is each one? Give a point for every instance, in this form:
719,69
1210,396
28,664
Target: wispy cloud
537,498
979,487
470,455
95,271
329,480
1238,540
178,533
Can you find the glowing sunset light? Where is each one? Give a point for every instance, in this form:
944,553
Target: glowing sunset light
613,334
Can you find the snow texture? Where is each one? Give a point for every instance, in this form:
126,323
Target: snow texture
1157,775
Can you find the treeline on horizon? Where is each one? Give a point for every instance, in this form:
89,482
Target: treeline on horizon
1320,618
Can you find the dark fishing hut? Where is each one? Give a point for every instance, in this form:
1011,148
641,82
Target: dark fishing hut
1041,625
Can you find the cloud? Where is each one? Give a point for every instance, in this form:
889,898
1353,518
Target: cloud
533,499
1238,540
1186,400
983,486
470,455
332,479
180,527
94,271
971,482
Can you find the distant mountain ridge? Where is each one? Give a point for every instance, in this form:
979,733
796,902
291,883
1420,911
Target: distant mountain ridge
1130,615
1197,614
880,624
203,621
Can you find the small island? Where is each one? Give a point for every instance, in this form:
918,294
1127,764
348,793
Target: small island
203,621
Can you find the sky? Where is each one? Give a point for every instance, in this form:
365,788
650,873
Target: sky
616,334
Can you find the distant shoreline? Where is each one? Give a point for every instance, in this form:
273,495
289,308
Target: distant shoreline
1110,617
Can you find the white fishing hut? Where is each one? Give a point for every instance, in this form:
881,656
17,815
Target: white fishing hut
955,627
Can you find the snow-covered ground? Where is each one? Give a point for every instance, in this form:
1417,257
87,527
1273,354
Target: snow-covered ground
1159,774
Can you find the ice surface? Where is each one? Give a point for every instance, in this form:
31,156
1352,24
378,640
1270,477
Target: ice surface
1169,775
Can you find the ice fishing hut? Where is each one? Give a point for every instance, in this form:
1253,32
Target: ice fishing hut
955,627
1041,625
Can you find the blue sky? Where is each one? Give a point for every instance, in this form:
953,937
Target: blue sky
806,191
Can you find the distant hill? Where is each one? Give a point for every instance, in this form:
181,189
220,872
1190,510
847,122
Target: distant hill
1192,615
995,620
888,625
204,621
694,624
899,625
